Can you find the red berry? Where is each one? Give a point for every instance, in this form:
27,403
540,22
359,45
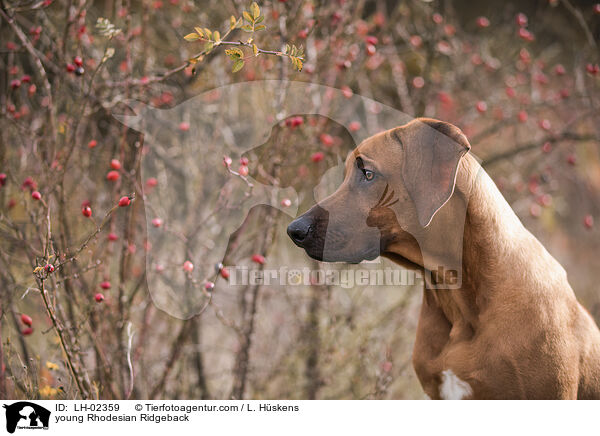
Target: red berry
437,18
115,164
326,139
184,126
545,124
354,126
416,41
418,82
71,68
28,183
592,69
597,8
347,91
243,170
151,182
227,161
36,195
257,258
209,286
27,331
188,266
588,221
559,70
49,268
547,147
26,319
92,143
157,222
535,210
99,297
124,201
564,93
105,284
523,116
372,40
2,179
78,61
571,159
526,34
112,176
297,121
510,92
286,202
112,237
14,84
371,50
481,106
521,19
244,161
224,273
483,22
11,45
386,366
317,157
86,211
26,78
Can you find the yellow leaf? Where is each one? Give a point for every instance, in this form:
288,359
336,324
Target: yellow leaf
199,31
191,37
217,36
255,49
255,10
232,21
247,16
51,366
237,65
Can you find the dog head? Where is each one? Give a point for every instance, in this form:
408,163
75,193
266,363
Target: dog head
395,182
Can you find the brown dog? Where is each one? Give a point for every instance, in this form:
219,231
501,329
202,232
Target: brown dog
500,320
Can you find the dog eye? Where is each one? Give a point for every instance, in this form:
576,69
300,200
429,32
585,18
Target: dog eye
369,175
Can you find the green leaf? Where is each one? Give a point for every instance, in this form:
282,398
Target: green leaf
255,10
237,65
247,28
216,36
208,33
191,37
259,19
248,17
260,27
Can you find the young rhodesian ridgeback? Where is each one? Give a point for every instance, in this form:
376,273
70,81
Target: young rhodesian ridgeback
505,324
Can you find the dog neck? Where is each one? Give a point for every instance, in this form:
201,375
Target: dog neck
477,233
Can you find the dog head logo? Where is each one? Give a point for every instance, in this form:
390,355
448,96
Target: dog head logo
198,204
26,415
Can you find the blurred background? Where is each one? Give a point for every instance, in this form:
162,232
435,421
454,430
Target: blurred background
78,316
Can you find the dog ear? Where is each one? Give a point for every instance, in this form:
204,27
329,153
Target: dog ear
432,151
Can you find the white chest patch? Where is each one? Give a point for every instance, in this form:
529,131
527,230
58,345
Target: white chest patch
453,388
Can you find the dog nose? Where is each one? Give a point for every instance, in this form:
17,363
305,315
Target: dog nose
299,228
